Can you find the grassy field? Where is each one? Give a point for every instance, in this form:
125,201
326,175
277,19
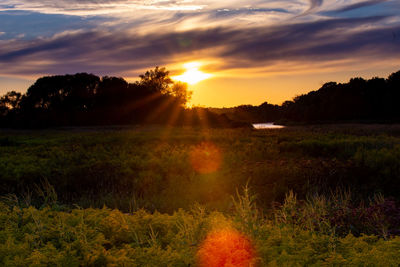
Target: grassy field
151,196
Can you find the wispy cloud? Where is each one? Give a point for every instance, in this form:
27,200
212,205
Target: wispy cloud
105,52
313,5
358,5
125,37
96,7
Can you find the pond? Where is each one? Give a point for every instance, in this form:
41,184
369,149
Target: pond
267,125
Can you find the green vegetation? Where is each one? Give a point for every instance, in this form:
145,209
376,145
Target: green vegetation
135,196
105,237
150,167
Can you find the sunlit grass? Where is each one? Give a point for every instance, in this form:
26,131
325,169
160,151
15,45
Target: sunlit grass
99,237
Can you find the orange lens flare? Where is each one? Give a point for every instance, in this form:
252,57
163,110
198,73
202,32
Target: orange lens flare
226,248
205,158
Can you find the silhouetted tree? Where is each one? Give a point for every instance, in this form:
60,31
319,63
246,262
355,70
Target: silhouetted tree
180,91
9,107
376,99
10,101
157,80
83,99
59,100
358,100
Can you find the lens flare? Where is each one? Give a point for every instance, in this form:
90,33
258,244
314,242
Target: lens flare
225,248
205,158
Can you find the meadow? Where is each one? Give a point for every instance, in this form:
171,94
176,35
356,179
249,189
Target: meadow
151,195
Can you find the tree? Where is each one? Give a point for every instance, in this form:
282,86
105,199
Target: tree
62,92
157,80
11,100
111,91
181,92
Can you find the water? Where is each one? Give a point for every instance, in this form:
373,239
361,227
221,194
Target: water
267,125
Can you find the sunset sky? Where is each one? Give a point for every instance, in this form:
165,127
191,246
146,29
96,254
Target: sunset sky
247,52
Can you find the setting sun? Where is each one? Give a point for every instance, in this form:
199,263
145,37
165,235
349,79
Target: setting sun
192,75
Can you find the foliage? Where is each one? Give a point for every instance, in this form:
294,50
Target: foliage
157,79
153,167
141,171
255,114
358,99
85,99
373,100
105,237
181,92
340,215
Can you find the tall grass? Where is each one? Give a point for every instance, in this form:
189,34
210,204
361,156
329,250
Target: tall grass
150,167
296,233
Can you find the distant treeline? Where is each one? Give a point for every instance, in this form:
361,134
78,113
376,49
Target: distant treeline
86,99
255,114
374,100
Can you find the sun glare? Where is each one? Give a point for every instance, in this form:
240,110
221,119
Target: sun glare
226,248
192,75
205,158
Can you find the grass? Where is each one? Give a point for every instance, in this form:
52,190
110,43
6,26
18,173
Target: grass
106,237
151,167
150,196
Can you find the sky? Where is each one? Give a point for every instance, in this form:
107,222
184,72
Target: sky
251,51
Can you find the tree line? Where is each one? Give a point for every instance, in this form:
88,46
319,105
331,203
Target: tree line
86,99
359,100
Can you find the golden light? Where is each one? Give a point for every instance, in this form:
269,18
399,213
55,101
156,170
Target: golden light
205,158
225,248
192,75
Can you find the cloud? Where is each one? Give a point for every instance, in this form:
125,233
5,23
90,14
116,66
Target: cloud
358,5
141,16
117,7
95,7
314,4
125,38
121,53
328,39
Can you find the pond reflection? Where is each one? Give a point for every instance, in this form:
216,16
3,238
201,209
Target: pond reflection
267,125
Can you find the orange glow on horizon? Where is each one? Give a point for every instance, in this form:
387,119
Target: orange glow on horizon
240,87
226,248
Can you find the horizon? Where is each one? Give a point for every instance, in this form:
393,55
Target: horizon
192,105
245,53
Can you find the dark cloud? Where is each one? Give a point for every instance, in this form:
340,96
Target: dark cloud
120,52
313,5
244,11
358,5
322,40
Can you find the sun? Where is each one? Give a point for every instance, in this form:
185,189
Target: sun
192,75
